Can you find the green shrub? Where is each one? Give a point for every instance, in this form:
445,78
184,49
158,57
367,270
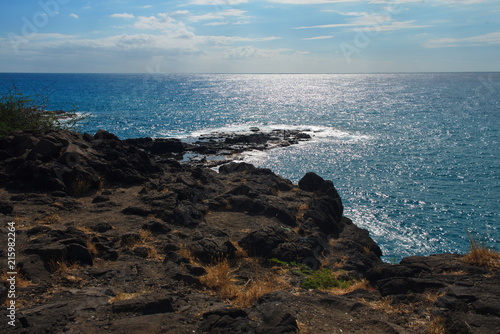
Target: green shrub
287,264
21,112
323,279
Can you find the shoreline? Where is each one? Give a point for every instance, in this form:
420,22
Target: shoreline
119,232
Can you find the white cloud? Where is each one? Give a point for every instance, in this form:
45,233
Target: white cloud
48,36
394,26
179,13
214,24
123,16
73,15
218,15
373,21
481,40
250,51
318,38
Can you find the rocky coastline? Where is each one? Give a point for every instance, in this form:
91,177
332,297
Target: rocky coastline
124,236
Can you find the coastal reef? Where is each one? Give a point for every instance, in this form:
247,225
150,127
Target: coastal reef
127,236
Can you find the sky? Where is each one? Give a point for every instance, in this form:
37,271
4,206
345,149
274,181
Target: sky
249,36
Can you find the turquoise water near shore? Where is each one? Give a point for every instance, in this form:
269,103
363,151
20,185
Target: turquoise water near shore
415,157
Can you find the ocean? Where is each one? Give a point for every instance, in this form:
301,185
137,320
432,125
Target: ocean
415,157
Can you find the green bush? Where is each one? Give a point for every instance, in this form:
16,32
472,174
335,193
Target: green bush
323,279
21,112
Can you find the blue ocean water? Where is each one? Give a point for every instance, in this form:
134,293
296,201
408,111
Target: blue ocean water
415,157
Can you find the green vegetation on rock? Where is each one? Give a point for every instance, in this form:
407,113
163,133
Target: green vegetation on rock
20,112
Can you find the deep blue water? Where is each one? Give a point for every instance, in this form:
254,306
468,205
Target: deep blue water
415,157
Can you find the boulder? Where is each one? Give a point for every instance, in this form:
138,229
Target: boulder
167,146
210,250
79,254
263,242
311,182
150,303
6,208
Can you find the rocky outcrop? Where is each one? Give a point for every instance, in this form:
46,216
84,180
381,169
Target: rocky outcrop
71,162
154,245
462,295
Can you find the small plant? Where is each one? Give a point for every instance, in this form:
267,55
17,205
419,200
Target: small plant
21,112
292,264
323,279
480,255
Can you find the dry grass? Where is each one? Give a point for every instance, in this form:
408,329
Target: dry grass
65,271
147,242
436,326
220,278
454,273
22,223
81,187
302,210
50,219
84,229
363,284
21,281
386,305
126,296
432,297
185,252
482,256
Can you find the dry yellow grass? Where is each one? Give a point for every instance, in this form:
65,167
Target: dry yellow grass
432,297
21,281
126,296
50,219
302,210
363,284
147,242
386,305
436,326
482,256
219,278
185,252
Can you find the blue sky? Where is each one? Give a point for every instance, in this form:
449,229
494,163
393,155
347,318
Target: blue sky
257,36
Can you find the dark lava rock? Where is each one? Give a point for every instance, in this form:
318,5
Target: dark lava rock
209,250
102,227
227,321
156,227
167,146
6,208
150,303
49,253
386,270
103,134
311,182
136,211
79,254
33,268
263,242
68,161
101,199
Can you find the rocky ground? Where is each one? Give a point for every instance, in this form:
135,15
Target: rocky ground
117,237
